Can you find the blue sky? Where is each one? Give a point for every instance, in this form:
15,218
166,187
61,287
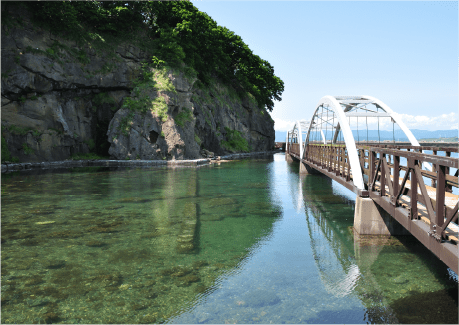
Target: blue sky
403,53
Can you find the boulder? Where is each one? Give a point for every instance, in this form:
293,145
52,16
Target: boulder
206,153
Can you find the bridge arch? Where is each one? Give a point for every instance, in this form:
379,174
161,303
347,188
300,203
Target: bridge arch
297,134
333,113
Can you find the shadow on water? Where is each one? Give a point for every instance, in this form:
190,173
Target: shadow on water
373,315
396,278
412,309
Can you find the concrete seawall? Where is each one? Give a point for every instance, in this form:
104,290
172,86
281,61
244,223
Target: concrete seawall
125,163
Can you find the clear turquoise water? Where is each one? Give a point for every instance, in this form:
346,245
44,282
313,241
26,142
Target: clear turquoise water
241,242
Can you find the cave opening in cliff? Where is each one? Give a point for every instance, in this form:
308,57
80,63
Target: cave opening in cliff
153,136
102,144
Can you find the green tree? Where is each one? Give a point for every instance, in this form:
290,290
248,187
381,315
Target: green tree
180,33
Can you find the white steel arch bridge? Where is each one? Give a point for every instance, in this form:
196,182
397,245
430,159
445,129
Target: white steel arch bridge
335,142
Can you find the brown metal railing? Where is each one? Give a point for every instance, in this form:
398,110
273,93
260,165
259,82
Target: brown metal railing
383,166
333,158
295,149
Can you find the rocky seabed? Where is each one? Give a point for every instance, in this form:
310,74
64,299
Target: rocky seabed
13,167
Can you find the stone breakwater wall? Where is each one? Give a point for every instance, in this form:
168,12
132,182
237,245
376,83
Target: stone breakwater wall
14,167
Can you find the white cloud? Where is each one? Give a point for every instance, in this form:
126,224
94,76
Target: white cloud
442,122
282,125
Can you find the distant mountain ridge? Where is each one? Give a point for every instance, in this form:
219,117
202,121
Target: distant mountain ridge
398,135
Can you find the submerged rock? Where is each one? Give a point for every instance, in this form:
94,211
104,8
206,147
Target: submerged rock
260,298
177,271
187,280
57,264
198,264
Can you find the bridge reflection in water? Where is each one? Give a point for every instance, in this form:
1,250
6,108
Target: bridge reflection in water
369,266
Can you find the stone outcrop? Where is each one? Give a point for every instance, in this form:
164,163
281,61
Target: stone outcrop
61,99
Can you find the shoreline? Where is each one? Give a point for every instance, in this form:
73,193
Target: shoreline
14,167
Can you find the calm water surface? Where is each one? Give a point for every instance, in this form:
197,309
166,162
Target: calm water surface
241,242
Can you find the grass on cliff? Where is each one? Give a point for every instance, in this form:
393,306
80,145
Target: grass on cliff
236,142
140,100
185,116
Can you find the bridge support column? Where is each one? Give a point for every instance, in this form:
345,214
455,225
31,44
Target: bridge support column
303,169
371,219
288,157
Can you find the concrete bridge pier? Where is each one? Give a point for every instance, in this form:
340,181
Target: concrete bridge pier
288,158
371,219
303,168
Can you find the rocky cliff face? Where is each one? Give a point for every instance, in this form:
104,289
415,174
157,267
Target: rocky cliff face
60,99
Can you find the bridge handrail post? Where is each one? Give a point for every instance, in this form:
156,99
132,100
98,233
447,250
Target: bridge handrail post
414,188
338,154
311,153
333,159
440,195
330,155
330,159
325,152
396,185
448,187
434,169
315,158
387,173
320,153
336,160
348,165
372,178
382,180
318,158
333,149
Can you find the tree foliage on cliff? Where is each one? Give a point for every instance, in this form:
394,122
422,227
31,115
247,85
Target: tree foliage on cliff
180,33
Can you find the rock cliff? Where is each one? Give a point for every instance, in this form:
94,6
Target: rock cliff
61,99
